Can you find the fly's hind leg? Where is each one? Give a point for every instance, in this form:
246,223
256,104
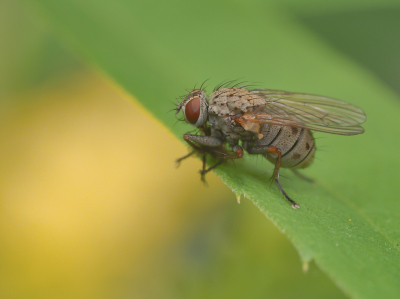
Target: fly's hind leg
302,176
294,204
275,176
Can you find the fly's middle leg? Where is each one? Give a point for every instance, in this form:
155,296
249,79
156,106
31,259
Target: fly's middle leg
213,146
238,153
204,171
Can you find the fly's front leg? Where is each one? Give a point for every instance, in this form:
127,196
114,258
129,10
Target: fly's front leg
196,149
205,142
178,161
209,141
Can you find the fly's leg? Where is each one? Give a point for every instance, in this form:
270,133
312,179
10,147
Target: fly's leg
294,204
210,145
237,149
238,154
204,165
212,142
203,140
206,142
209,141
275,176
178,161
204,171
302,176
272,150
192,145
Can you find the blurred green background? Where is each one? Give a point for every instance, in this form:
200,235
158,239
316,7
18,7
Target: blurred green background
91,203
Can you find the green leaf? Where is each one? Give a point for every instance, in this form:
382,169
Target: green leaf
349,221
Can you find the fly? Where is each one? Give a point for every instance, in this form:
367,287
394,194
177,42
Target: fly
273,123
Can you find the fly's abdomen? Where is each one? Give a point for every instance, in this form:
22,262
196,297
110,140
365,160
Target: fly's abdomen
296,145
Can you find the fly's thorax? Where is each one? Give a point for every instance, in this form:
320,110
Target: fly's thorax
219,123
231,131
233,101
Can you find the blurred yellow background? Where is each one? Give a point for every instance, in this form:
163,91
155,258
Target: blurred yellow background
83,187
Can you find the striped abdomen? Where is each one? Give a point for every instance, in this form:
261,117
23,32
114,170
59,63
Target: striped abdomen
297,145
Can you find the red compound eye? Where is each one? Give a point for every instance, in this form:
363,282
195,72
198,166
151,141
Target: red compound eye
192,110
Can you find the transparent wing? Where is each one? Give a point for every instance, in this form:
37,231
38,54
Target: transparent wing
307,111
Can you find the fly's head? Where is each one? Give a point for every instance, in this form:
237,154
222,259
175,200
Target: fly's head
195,108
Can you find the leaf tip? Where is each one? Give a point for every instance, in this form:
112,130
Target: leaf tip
305,266
238,196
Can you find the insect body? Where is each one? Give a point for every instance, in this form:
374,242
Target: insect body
276,124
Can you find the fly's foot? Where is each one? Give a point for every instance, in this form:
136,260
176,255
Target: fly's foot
203,177
275,176
294,204
178,163
204,171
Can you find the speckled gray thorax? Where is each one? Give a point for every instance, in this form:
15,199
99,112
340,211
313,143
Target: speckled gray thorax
227,102
232,101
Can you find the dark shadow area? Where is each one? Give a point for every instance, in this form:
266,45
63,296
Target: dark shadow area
371,38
